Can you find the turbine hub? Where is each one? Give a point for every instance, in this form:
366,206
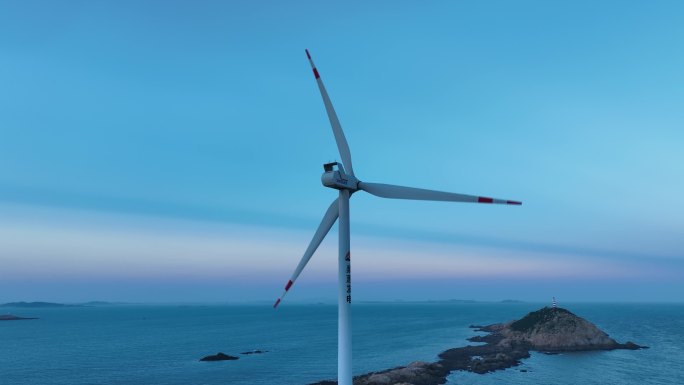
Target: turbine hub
335,177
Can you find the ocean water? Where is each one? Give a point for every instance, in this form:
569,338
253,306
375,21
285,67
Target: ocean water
161,344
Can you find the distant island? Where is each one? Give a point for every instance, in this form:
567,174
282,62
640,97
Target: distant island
12,317
36,304
549,330
101,303
33,305
451,300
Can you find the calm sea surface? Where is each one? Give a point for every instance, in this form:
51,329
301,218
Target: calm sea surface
162,344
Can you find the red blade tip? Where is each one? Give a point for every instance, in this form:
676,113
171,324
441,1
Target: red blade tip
513,203
307,54
276,303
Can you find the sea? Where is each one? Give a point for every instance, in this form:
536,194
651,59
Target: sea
162,344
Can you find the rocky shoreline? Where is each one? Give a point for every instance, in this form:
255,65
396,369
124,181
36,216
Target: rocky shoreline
545,330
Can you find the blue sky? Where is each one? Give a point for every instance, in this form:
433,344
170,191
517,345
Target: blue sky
172,151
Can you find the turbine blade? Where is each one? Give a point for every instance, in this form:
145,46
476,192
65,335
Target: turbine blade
326,223
401,192
342,144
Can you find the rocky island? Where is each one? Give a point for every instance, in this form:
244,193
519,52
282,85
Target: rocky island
545,330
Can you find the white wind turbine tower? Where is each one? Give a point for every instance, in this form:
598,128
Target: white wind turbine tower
340,176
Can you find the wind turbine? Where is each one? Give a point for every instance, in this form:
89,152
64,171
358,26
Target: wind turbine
340,176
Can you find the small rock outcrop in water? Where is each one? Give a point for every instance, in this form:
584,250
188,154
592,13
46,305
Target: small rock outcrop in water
254,352
546,330
11,317
219,357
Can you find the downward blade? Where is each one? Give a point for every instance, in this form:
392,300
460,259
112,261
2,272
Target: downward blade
326,223
342,144
401,192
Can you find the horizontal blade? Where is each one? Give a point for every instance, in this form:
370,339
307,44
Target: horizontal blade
342,144
401,192
326,223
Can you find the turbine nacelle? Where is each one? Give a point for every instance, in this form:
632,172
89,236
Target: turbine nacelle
335,177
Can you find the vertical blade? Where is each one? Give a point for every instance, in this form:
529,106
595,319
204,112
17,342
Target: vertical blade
342,144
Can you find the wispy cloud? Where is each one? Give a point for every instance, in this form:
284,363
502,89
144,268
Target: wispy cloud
72,245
